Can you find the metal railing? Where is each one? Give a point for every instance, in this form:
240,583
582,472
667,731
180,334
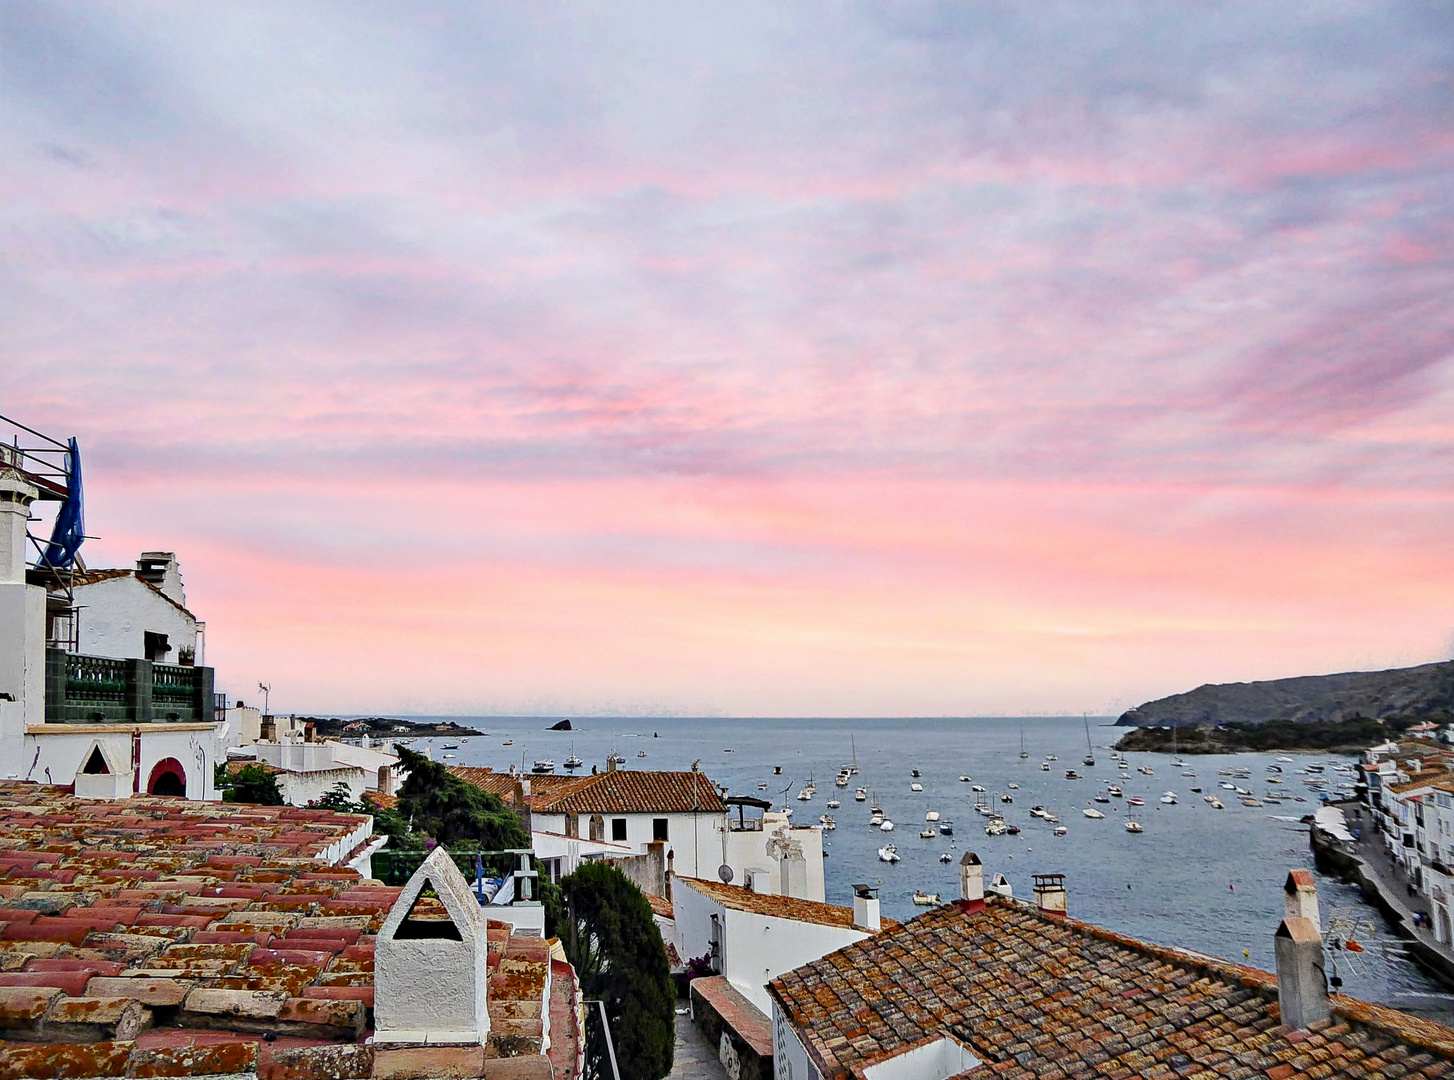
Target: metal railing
397,867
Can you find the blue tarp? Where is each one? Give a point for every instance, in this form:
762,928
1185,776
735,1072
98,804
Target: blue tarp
70,527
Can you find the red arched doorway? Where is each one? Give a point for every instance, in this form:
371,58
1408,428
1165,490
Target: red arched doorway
167,778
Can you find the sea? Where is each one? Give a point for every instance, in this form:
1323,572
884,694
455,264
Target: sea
1197,878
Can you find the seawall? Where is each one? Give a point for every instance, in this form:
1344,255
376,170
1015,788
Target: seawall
1332,857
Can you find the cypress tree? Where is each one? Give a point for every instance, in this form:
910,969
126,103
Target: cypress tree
619,958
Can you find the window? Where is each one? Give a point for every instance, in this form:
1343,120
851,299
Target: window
659,829
618,828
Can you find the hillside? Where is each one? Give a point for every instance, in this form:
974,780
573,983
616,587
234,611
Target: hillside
1427,690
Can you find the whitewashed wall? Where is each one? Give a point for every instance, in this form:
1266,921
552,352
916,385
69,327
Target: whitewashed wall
115,614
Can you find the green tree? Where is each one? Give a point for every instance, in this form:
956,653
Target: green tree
441,805
619,957
252,784
340,798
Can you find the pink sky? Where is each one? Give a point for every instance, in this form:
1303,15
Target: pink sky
785,360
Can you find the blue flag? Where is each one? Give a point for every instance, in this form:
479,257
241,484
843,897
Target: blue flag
70,527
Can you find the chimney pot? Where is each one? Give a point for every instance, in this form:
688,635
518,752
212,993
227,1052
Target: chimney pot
865,909
971,880
1302,988
1300,898
1049,893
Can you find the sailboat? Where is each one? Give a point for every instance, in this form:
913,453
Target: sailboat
573,762
1023,752
1090,757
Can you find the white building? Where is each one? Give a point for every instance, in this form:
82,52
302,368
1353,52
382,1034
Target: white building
754,937
308,768
152,721
138,613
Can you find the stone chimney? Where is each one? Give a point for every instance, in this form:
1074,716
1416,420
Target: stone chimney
971,882
1050,894
611,762
160,568
1300,898
865,909
1302,988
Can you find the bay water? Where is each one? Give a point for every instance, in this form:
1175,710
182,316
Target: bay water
1197,878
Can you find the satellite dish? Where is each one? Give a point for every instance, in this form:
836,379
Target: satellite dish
725,873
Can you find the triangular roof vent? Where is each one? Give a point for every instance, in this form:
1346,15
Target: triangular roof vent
430,978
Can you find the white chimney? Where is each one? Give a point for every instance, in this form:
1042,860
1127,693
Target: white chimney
1300,898
971,879
1302,989
758,880
793,872
1050,893
865,908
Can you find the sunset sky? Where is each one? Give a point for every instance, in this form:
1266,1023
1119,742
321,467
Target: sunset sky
775,359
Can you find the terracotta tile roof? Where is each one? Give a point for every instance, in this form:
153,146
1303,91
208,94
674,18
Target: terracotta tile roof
542,786
780,907
626,791
161,937
1036,996
96,576
661,907
382,801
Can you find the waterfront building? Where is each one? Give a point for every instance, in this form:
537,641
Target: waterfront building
156,937
102,674
748,938
1019,989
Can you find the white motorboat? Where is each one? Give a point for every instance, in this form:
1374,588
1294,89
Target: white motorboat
1007,798
1092,812
834,804
828,823
1169,798
1061,830
926,833
449,746
1145,770
995,827
804,795
573,762
544,765
860,795
932,815
1013,787
641,753
762,785
966,778
977,787
876,820
1045,766
946,857
887,826
888,854
1114,791
926,899
1134,827
916,787
946,828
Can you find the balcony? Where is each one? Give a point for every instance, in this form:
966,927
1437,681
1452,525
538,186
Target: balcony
100,690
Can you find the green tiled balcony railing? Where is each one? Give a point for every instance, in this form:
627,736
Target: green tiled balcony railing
98,689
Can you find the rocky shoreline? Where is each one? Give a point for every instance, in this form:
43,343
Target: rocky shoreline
382,727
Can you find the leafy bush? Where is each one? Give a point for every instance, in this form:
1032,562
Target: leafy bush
251,784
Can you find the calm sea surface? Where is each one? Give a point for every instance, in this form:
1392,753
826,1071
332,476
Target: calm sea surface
1197,878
